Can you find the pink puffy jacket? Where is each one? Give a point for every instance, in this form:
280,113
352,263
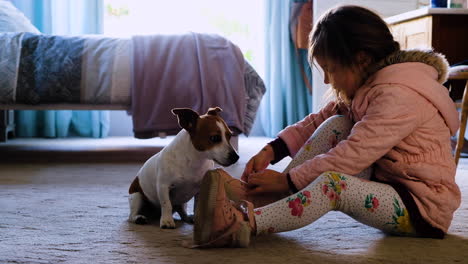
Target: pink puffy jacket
404,118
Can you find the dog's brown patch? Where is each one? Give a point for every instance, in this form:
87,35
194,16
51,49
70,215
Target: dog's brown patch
135,186
214,111
207,126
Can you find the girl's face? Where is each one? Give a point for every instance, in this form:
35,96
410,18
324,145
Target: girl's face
344,79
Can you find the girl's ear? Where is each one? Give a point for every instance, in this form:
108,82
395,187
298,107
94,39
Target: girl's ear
363,59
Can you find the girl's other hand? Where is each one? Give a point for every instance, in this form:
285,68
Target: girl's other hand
259,162
267,181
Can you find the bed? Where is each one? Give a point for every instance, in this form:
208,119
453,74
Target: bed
145,75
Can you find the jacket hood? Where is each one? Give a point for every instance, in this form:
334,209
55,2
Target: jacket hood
428,57
422,71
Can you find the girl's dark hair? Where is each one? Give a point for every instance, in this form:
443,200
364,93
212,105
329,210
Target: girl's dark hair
344,31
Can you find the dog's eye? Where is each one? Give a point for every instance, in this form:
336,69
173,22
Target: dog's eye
215,139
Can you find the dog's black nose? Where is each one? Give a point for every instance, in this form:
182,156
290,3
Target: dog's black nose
233,157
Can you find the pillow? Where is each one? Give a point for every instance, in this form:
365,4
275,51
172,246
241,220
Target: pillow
13,20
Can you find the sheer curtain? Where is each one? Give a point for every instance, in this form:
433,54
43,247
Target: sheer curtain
63,17
287,99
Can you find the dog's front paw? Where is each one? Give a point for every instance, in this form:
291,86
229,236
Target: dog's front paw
139,220
167,223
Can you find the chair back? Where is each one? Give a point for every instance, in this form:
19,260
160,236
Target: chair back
461,73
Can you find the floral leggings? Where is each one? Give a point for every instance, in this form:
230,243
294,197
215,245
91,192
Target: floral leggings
372,203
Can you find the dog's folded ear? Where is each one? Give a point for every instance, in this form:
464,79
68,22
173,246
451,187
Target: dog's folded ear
187,118
214,110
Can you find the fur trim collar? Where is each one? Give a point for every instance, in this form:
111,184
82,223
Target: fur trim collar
429,57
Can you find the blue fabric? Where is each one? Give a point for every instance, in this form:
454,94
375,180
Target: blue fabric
63,17
49,69
287,99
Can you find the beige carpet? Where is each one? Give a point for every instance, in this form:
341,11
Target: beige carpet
77,213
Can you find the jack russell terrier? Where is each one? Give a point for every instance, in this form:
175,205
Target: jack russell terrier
170,178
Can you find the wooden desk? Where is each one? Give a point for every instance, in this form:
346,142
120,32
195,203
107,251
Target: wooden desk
443,29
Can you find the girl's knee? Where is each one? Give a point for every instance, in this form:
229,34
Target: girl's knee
339,120
337,126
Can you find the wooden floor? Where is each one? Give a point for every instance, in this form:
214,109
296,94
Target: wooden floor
54,212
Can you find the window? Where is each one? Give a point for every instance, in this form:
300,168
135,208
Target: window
240,21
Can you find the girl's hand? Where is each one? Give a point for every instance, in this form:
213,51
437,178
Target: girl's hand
259,162
267,181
